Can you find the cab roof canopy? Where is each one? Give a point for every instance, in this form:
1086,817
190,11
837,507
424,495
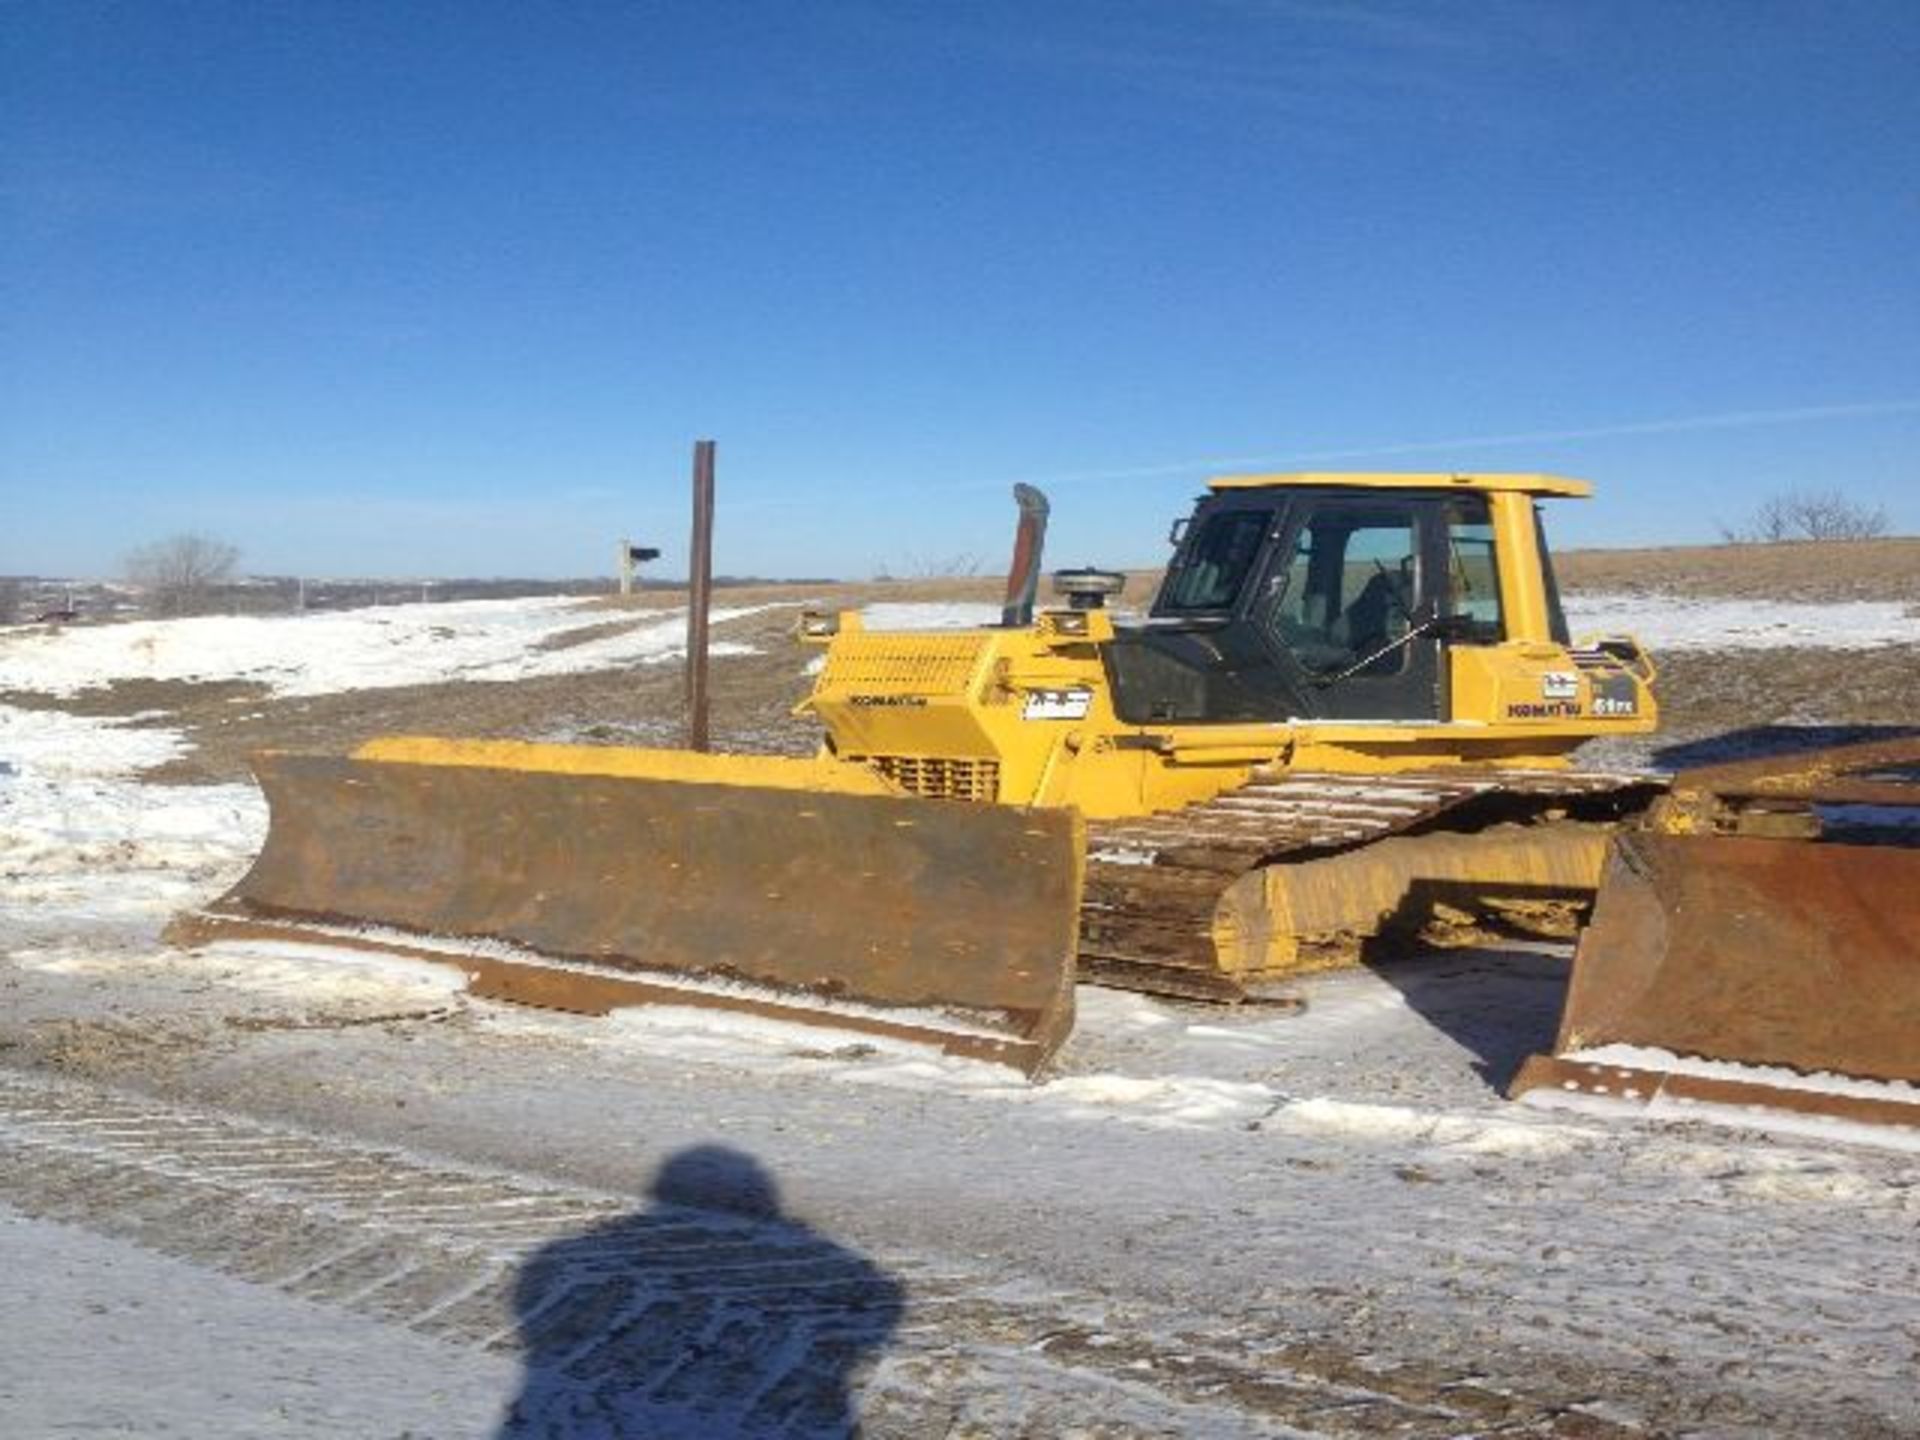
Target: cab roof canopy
1408,480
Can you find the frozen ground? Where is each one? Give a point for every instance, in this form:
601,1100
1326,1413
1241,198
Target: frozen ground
328,1184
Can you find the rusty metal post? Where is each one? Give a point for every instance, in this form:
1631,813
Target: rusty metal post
699,594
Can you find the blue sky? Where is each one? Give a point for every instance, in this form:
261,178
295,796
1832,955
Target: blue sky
437,289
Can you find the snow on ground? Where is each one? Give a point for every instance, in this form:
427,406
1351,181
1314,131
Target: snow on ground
78,837
1757,1119
1647,1057
312,977
1146,1064
1668,622
1642,1060
1659,622
106,1338
929,615
320,653
118,848
53,744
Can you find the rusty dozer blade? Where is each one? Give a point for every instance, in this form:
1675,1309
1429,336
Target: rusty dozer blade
584,878
1748,926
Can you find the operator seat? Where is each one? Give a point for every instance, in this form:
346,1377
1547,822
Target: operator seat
1370,621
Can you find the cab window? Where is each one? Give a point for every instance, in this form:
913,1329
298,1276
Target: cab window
1345,591
1473,571
1217,561
1556,614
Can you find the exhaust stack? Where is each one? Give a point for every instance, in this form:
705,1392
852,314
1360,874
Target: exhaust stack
1023,577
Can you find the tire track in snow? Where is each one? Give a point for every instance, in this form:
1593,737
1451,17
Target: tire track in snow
443,1250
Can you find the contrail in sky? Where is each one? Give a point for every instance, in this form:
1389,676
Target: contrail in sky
1279,460
1723,420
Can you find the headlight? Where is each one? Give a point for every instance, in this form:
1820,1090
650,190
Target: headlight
817,625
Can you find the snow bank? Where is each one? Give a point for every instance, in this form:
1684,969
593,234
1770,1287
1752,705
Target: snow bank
1401,1125
324,653
1168,1101
1163,1101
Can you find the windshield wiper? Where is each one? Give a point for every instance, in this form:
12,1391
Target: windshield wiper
1445,627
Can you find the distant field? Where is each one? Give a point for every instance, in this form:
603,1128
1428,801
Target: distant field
1799,570
1806,570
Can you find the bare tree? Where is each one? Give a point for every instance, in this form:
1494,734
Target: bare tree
959,566
10,589
1830,515
1773,521
178,572
1810,515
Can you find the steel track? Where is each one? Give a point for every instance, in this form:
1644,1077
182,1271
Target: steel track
1152,883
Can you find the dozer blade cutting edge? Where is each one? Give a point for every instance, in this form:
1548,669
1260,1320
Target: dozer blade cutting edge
1756,948
585,878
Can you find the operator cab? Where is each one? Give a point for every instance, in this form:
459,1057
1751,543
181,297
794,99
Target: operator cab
1294,600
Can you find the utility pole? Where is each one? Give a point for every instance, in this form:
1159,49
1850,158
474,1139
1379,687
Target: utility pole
699,594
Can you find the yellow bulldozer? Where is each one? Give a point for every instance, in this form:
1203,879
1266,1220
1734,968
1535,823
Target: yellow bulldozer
1350,703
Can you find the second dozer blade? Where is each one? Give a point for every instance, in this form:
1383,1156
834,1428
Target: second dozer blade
1760,951
1756,951
961,917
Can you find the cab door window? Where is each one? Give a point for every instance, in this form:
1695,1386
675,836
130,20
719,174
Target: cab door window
1556,615
1345,591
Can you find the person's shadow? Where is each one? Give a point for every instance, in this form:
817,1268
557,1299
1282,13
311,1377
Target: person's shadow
705,1317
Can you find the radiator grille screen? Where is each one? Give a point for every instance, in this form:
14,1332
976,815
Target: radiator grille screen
941,779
